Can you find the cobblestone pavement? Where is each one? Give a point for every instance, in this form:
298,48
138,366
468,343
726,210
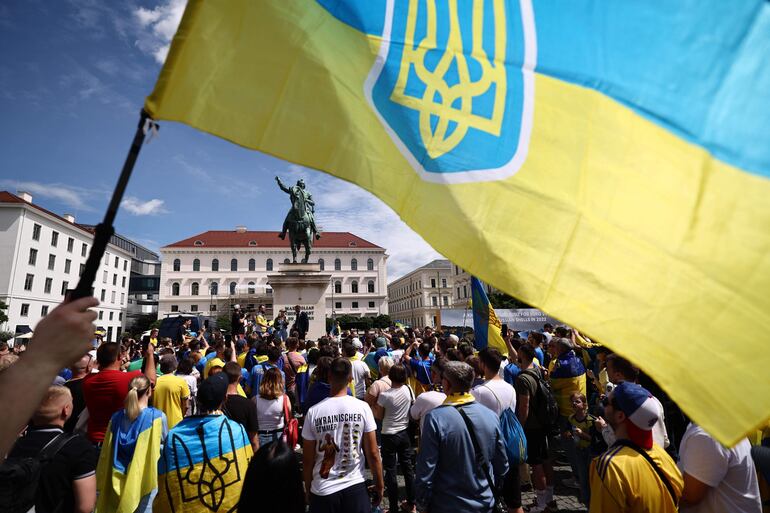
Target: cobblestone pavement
567,499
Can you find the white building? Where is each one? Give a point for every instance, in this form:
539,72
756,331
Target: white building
461,291
211,271
43,254
416,299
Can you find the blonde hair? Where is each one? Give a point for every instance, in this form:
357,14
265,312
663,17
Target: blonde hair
137,388
271,386
50,407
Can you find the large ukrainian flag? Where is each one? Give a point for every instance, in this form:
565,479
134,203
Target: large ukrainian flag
203,466
127,471
487,329
607,162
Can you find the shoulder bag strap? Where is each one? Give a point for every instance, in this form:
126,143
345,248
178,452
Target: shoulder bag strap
56,444
494,394
661,475
480,458
293,368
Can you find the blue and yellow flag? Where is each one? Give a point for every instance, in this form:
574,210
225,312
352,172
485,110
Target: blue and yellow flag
203,466
486,325
127,471
606,162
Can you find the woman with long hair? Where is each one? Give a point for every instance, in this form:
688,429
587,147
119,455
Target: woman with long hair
273,482
270,407
127,472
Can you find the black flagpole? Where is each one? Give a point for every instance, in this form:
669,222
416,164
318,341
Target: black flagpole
105,230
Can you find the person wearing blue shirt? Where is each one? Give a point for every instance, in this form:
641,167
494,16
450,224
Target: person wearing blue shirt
258,371
420,366
448,478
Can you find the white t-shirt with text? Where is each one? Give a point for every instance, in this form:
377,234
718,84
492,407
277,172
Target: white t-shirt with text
396,402
337,425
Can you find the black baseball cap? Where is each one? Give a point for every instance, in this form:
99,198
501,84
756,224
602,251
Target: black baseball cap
212,392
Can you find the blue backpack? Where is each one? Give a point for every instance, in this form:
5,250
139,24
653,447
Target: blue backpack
513,434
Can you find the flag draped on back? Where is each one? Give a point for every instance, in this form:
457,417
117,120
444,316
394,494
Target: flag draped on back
608,163
127,472
486,325
203,466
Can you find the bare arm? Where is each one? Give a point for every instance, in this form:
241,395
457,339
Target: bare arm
308,462
149,364
513,356
694,491
85,494
522,408
61,338
375,464
254,439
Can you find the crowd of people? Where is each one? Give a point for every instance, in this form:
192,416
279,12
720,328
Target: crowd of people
264,419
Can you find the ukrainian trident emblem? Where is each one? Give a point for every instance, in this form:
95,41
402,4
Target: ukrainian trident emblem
453,82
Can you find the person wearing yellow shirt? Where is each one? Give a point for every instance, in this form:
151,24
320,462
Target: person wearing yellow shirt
635,475
171,392
260,322
217,361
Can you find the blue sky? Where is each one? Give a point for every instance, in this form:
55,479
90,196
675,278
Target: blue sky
73,77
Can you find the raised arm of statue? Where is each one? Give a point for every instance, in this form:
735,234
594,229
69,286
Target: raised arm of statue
282,186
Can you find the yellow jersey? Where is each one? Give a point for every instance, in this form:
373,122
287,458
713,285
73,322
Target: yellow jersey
623,481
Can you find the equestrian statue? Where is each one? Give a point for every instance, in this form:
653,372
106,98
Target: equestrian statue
300,221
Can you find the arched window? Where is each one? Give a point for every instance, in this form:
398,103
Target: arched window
337,264
354,265
252,264
196,265
338,287
354,287
370,265
252,288
269,264
321,263
214,288
194,288
215,264
234,264
177,264
174,289
286,260
370,287
232,288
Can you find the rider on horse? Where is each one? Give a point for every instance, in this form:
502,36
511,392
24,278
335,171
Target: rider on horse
302,208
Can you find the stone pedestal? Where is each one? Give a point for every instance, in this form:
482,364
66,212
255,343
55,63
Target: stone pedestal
304,285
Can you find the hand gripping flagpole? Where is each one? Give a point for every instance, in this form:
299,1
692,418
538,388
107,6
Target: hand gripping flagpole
105,230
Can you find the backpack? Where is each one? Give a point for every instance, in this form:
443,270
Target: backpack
19,477
547,409
513,433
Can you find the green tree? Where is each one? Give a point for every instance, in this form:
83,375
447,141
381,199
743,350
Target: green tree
504,301
224,323
382,321
143,323
3,315
6,335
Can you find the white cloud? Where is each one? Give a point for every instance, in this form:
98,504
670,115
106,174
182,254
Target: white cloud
158,26
139,207
78,198
342,206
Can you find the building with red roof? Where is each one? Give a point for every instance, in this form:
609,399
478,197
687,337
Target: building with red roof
210,272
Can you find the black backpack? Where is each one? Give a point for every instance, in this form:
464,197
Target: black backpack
19,477
547,409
